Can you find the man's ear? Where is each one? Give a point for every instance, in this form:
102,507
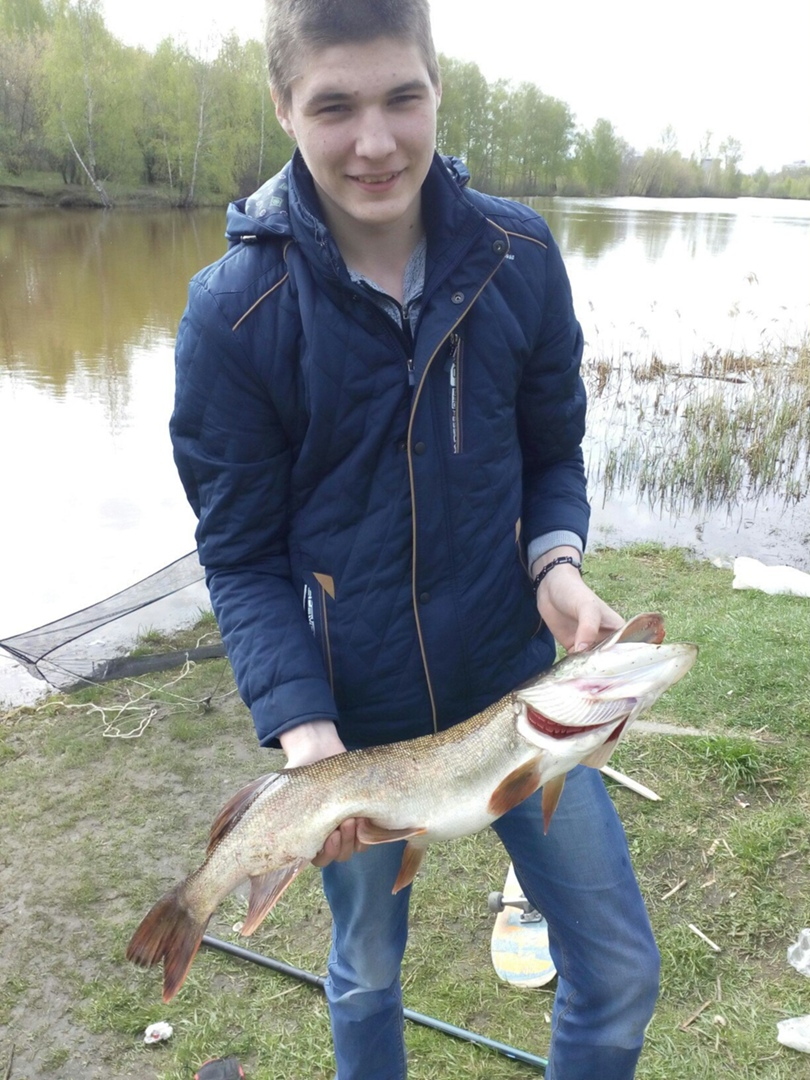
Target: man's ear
283,114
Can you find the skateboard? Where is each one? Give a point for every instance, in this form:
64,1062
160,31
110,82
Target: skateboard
519,948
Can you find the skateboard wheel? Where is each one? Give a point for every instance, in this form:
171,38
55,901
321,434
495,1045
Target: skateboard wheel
495,902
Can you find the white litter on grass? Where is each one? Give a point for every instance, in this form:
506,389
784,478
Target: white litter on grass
157,1032
774,580
795,1033
799,954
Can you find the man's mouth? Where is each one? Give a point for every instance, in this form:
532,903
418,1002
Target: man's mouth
376,179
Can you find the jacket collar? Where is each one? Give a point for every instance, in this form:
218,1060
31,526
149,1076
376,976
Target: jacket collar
287,206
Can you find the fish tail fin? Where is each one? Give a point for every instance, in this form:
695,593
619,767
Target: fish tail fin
170,932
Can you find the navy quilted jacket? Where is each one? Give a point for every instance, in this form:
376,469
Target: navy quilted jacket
364,538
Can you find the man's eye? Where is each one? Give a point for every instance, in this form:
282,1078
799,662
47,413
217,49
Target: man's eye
404,99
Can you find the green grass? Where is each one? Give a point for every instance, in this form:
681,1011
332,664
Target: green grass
95,827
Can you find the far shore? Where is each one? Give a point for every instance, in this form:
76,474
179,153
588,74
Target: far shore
60,196
50,191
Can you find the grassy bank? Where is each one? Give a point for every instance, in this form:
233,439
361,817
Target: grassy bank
44,189
98,824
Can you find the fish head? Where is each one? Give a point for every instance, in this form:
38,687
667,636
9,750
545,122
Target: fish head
580,708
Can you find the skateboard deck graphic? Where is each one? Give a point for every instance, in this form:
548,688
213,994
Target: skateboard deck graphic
519,947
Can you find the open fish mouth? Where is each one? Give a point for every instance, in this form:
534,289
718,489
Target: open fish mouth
555,730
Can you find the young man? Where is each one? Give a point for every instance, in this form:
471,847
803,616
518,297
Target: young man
378,422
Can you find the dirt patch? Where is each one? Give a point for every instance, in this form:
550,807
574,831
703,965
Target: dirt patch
93,830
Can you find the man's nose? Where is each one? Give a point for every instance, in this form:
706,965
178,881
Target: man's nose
374,139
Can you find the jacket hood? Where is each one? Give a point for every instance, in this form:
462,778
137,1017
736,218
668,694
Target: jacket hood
266,213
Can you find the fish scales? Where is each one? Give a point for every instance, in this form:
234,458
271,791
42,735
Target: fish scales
393,785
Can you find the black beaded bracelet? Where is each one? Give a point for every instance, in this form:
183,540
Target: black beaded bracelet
557,562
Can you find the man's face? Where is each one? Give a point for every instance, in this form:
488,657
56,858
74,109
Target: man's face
364,118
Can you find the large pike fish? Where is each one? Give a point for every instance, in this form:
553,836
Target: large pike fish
432,788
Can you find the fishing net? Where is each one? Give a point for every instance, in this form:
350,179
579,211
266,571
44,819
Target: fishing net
86,647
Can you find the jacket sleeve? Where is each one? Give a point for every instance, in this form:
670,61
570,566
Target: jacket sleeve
551,414
234,462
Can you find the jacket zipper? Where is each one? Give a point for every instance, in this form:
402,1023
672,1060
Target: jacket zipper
416,396
453,368
408,334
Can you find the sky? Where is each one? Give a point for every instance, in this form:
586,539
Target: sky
719,66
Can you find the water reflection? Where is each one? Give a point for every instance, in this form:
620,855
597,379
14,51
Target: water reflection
707,232
582,227
594,227
80,289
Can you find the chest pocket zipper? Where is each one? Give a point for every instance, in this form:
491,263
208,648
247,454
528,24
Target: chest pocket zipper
453,367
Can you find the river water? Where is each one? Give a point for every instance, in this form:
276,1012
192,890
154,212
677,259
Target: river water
89,304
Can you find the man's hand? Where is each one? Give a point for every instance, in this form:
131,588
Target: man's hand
313,742
573,612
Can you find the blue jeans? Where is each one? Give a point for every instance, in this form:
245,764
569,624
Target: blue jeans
579,876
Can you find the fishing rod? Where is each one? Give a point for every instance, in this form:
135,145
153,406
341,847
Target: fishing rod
417,1018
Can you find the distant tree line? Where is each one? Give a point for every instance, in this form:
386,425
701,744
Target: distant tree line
76,101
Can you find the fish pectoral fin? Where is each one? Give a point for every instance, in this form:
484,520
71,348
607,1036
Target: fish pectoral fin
552,790
411,861
265,889
369,832
599,757
601,754
514,788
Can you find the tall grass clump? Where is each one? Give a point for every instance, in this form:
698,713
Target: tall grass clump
730,428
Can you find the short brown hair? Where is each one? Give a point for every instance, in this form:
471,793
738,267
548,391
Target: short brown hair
296,25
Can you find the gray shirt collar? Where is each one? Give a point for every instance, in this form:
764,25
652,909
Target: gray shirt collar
413,284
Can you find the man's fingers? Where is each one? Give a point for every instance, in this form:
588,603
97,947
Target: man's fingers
588,630
328,851
347,833
595,624
340,845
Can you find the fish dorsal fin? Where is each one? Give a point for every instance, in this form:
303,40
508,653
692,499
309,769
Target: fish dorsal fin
514,788
411,861
265,889
552,790
647,629
369,832
234,809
